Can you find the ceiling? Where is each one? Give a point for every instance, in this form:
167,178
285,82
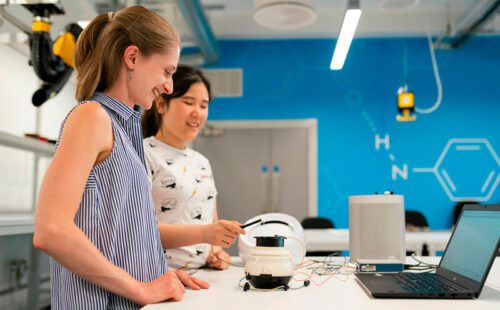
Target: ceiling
234,18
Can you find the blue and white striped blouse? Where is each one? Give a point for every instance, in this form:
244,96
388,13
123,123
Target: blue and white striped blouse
117,215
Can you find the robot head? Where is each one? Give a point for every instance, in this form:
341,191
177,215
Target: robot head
273,224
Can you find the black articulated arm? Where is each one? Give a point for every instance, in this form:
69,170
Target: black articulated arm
53,61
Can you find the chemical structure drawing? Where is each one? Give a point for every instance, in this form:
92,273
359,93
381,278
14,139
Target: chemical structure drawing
474,158
467,168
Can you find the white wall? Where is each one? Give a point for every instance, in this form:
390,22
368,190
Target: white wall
18,116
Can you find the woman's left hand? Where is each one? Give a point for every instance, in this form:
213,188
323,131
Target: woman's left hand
218,258
191,282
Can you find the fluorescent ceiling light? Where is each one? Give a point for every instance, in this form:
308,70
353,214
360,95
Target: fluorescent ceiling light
349,25
83,23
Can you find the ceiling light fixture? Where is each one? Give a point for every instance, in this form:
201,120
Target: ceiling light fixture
284,14
83,23
349,24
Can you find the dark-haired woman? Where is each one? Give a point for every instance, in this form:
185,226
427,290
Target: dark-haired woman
183,187
95,216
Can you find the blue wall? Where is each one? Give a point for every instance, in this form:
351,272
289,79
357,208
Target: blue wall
290,79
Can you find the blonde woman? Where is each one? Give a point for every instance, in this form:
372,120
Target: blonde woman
95,216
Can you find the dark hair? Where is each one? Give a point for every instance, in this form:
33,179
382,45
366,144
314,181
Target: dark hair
99,49
183,78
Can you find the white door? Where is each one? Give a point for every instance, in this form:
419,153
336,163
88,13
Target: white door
290,176
238,157
263,166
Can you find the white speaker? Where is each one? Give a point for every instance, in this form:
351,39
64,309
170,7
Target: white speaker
377,227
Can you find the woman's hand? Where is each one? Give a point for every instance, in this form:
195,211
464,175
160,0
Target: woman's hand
223,233
166,287
171,286
191,282
218,258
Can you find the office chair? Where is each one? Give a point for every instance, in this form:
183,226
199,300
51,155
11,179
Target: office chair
319,223
415,219
458,209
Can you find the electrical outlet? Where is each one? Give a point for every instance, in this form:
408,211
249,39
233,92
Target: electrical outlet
17,269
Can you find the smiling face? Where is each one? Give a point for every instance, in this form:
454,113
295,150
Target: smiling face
152,76
182,120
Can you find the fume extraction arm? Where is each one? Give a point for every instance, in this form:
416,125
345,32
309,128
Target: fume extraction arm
52,61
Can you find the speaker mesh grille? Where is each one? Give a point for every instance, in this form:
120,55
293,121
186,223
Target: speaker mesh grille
376,231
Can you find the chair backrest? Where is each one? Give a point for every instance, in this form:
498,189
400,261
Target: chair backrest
458,209
415,218
317,223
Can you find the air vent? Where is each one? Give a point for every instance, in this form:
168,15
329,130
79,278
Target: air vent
278,14
225,82
168,10
398,5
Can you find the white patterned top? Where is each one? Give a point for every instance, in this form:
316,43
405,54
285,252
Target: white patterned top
184,192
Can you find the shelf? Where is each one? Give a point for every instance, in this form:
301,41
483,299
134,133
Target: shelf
16,224
27,144
21,223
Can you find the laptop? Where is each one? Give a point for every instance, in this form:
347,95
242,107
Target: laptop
465,265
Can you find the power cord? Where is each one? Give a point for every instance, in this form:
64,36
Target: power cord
436,76
326,267
420,266
303,251
421,262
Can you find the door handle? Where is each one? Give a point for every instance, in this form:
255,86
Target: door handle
264,189
275,189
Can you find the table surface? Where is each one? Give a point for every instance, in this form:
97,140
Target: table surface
338,239
338,292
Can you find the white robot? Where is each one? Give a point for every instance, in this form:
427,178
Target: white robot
272,262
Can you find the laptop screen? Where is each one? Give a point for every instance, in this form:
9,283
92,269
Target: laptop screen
472,244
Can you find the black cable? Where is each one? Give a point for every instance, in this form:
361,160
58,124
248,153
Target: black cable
251,223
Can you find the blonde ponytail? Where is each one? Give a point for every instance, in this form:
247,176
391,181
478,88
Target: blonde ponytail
101,45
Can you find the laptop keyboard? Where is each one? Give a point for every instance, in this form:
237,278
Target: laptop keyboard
424,282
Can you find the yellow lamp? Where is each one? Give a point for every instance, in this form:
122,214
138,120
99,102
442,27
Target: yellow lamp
406,105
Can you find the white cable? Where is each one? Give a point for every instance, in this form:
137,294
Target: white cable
438,80
418,260
303,252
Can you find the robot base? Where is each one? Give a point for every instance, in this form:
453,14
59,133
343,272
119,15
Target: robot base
266,281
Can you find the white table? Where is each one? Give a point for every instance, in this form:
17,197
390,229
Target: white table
224,293
338,240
